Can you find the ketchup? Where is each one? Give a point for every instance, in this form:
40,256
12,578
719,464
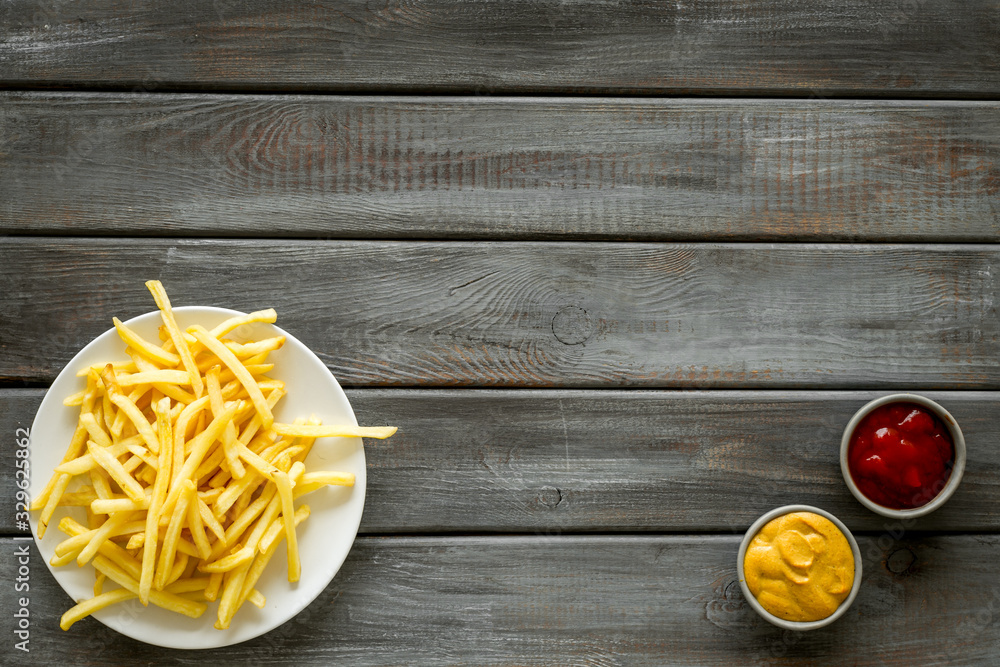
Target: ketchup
900,455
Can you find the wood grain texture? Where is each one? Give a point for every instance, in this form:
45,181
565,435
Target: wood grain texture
541,314
553,462
499,168
579,601
829,47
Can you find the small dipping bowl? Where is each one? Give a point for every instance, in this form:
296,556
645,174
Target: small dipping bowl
958,468
800,626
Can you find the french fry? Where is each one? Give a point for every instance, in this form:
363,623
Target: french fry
195,525
96,603
76,543
229,435
257,568
115,522
151,377
214,584
118,473
143,347
199,448
276,531
108,549
247,350
82,464
228,563
181,345
170,601
123,366
81,498
269,315
130,409
177,520
288,513
75,399
323,431
313,481
78,443
113,505
256,599
50,507
230,360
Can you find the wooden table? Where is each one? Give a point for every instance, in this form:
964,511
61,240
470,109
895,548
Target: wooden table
620,271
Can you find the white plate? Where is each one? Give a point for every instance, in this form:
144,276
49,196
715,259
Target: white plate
324,538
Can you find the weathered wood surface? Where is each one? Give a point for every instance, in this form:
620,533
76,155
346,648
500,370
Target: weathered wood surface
499,168
556,462
541,314
582,601
829,47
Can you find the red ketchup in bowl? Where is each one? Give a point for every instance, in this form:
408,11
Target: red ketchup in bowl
900,455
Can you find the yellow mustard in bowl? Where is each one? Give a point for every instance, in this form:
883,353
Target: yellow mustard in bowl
799,567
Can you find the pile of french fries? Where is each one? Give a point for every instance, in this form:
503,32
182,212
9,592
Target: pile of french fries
189,485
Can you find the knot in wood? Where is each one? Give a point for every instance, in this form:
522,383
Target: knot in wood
900,561
550,496
572,325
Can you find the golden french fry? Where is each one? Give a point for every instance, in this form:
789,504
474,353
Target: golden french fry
269,315
324,431
115,522
170,601
230,562
108,549
167,314
229,435
248,350
151,377
234,364
130,409
75,399
256,599
78,498
123,366
313,481
75,543
96,603
259,563
82,464
288,513
118,473
276,531
199,448
214,584
195,525
188,585
166,560
50,506
144,347
112,505
180,566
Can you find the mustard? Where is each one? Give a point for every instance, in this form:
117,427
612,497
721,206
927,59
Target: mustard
799,567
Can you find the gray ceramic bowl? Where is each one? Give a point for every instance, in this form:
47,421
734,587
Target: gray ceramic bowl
956,472
768,616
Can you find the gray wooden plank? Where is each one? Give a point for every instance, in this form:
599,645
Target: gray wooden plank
587,601
554,462
541,314
487,168
842,47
